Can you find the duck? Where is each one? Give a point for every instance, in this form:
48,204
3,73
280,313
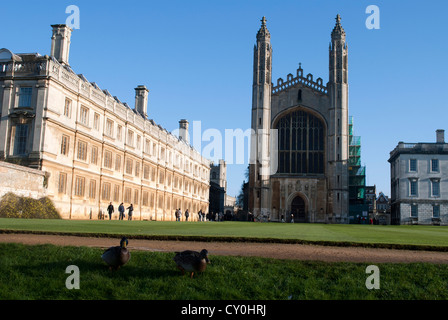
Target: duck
117,256
191,261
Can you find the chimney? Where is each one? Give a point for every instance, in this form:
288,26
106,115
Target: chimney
183,130
141,100
60,43
440,134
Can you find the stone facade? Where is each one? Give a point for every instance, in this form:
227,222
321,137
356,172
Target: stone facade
419,182
218,174
94,148
222,202
311,149
371,199
22,181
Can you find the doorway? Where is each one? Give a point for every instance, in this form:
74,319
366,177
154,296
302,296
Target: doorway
298,209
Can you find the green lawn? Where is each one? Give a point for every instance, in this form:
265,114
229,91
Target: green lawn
38,272
434,236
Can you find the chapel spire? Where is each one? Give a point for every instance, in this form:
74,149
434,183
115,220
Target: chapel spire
259,171
338,137
263,57
338,32
338,54
263,33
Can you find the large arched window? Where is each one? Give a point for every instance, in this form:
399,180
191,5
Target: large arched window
301,144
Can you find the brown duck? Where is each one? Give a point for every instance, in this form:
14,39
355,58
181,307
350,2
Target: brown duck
117,256
191,261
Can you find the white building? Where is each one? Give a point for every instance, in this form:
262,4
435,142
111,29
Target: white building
94,148
419,182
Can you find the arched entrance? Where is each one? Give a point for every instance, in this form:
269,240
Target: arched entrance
298,209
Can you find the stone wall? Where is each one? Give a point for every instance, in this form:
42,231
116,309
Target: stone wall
22,181
425,213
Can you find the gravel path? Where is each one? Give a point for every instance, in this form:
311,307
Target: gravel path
272,250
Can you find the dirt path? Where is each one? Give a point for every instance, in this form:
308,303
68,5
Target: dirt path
279,251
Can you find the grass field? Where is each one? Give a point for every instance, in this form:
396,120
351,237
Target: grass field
434,236
38,272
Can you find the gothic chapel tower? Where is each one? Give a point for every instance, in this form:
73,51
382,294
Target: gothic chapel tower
300,131
259,190
338,146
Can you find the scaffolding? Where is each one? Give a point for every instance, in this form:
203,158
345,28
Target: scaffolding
358,207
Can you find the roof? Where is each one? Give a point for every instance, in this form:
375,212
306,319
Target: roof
418,148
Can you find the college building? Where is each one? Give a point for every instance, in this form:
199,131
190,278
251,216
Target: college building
93,148
419,182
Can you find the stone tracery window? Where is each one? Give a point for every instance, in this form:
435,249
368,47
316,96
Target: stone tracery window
301,144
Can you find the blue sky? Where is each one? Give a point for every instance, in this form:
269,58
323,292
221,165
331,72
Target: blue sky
196,58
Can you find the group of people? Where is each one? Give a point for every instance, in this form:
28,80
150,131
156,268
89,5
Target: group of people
202,216
211,216
121,211
178,214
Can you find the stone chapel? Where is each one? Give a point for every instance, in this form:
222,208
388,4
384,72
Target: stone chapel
310,148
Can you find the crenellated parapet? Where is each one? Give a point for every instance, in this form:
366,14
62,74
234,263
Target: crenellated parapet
34,68
305,80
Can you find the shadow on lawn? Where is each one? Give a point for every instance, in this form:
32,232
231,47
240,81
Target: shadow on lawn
56,270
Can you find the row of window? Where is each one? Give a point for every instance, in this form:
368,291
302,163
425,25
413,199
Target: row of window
434,184
109,130
20,136
433,165
111,192
132,139
132,167
435,211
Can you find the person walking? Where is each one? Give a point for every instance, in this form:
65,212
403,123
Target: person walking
121,211
131,210
110,210
187,214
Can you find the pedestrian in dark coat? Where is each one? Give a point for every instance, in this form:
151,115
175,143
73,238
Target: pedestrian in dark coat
110,210
121,211
131,210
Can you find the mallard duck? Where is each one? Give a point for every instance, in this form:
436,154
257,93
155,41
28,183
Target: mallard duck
191,261
117,256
